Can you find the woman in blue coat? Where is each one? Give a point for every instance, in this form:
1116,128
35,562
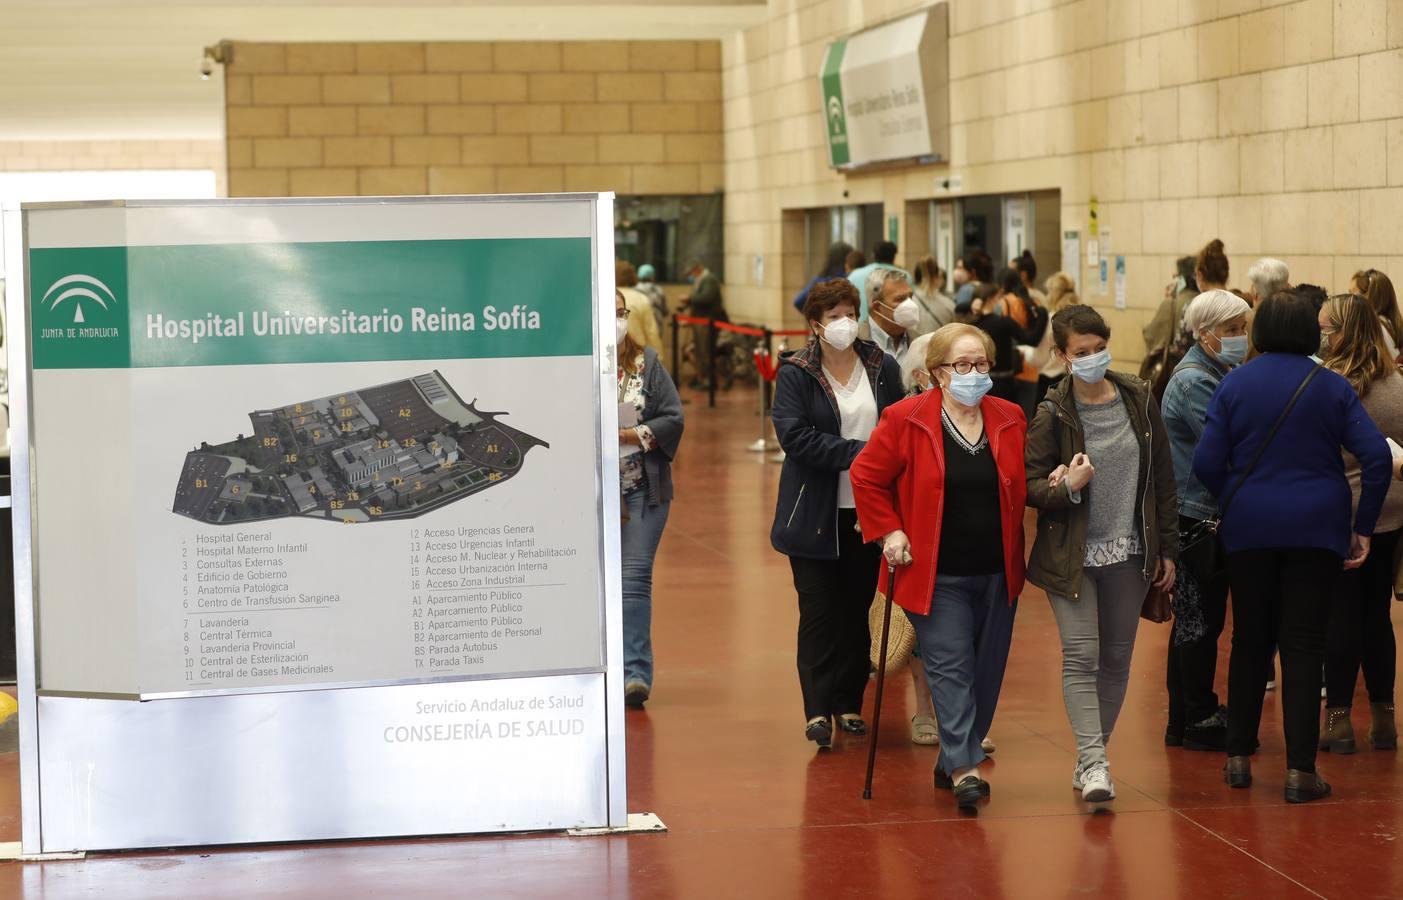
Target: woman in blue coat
828,397
1286,525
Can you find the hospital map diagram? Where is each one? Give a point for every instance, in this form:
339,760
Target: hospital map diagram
394,451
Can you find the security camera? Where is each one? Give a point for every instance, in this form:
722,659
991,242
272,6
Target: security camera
206,68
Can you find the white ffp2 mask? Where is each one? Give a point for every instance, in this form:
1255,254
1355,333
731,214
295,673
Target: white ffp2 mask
840,334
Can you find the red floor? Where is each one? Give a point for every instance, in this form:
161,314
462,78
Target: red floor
753,811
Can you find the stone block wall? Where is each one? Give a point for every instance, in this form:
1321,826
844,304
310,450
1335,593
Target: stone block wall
1276,125
635,117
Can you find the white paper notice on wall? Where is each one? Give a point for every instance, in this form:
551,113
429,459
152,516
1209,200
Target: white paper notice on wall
1120,282
759,270
1103,243
1103,280
1093,253
1071,257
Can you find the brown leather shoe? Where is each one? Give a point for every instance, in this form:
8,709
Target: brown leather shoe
1303,787
1338,734
1238,771
1383,733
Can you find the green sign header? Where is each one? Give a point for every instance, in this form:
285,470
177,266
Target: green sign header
252,304
833,109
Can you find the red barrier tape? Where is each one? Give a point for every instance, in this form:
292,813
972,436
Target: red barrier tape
720,326
741,329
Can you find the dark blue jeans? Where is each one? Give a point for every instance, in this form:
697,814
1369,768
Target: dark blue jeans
639,545
964,645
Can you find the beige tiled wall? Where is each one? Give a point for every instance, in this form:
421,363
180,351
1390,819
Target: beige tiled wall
1276,125
87,156
415,118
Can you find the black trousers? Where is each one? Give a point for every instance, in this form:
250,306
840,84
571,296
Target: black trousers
834,646
1193,665
1360,632
1280,596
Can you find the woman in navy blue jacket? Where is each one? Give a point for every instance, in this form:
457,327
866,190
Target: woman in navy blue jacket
1287,527
828,397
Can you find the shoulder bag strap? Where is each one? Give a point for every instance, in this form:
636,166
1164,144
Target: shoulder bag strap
1246,473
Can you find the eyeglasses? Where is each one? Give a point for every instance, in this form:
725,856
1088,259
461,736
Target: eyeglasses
621,315
964,368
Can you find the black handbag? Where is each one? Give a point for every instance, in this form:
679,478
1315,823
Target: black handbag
1200,550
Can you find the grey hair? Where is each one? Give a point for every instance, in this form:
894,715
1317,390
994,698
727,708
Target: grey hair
877,281
1211,309
1268,276
915,359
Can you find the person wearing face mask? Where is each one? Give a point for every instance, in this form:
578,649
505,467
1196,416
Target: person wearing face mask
1361,632
972,270
916,379
704,302
1101,475
894,314
828,396
1218,322
937,307
941,485
1274,464
1007,334
650,430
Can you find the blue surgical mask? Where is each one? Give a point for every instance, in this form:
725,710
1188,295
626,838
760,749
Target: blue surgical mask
1091,369
1234,349
969,388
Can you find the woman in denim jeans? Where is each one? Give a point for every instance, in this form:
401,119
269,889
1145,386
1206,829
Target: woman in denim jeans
650,428
1218,321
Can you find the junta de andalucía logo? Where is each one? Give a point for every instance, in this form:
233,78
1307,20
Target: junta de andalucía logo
81,292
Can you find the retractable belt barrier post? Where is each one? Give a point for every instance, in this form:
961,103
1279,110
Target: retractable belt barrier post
765,366
711,363
768,367
676,354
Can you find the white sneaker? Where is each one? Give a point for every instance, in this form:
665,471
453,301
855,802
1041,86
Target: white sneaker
987,745
1096,784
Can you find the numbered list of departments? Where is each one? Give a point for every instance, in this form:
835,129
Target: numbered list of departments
257,610
243,612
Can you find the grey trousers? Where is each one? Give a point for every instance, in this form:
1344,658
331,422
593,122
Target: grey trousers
964,645
1098,636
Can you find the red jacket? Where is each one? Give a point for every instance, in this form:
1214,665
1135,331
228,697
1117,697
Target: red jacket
899,483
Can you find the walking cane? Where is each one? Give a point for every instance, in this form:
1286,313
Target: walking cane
881,679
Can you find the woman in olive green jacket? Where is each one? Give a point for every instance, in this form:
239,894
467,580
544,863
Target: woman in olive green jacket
1100,473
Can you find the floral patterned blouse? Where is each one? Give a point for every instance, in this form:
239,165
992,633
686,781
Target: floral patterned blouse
631,457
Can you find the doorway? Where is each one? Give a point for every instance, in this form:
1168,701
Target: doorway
1002,225
808,235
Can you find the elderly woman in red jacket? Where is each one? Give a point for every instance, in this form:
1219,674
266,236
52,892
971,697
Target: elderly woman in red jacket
941,484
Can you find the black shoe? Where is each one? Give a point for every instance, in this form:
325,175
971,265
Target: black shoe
1237,772
1210,734
852,724
943,781
970,791
635,694
820,732
1303,787
1173,738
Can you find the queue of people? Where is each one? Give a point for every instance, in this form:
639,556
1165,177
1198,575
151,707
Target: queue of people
1254,472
